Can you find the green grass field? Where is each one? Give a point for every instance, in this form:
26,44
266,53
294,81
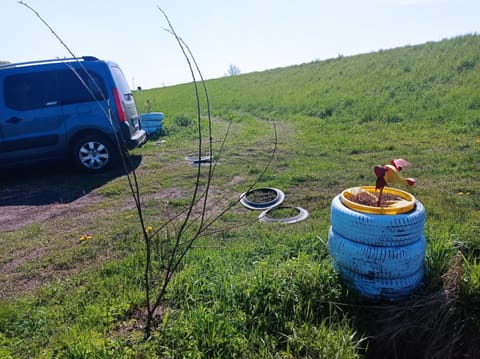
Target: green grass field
256,290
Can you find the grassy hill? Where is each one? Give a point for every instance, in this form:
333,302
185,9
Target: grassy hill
343,115
253,290
373,106
429,78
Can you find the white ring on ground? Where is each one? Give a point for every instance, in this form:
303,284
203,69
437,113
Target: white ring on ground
263,217
195,158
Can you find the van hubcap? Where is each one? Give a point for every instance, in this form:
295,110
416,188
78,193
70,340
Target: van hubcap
93,155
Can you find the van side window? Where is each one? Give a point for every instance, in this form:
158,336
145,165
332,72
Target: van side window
35,90
31,90
79,86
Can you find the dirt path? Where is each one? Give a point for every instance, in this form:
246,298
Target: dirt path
39,195
55,197
27,204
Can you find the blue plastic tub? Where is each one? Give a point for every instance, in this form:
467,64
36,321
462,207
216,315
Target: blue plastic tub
152,122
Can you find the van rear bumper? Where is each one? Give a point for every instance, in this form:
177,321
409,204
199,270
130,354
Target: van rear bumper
137,140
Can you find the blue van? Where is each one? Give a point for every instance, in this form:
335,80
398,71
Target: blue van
78,109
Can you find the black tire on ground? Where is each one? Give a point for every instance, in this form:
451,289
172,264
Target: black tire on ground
262,205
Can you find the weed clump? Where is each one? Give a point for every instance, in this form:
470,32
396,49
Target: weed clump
436,325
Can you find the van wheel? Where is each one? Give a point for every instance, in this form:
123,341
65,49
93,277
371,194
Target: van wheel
93,153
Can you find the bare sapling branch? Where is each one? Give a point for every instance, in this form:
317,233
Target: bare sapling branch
167,246
124,156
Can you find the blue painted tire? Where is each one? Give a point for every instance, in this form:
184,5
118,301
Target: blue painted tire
377,229
377,262
391,289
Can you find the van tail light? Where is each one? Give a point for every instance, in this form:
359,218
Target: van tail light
118,103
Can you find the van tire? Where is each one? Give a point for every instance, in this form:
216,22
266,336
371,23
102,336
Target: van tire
93,153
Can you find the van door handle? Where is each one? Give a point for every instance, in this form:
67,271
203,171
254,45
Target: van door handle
14,119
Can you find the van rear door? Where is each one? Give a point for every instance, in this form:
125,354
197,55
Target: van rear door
126,100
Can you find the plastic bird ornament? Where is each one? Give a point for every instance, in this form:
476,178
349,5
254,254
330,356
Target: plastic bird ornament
390,174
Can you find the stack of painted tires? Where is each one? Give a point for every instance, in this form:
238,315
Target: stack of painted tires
380,256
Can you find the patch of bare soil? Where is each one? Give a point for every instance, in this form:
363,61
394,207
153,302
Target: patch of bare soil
37,205
371,199
53,197
16,216
39,195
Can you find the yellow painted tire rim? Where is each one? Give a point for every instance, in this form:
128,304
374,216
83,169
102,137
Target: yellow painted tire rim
406,204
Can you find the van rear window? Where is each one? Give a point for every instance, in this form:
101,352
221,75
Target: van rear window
121,83
49,88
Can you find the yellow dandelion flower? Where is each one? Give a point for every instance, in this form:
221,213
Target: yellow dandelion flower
85,237
149,229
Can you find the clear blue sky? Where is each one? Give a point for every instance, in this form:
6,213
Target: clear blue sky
254,35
